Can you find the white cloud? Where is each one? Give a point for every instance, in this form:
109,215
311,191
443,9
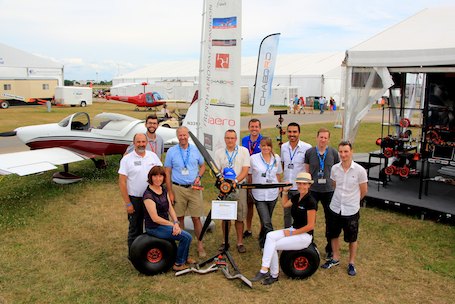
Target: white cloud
112,36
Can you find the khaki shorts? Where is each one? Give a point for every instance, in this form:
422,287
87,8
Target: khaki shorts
240,196
188,201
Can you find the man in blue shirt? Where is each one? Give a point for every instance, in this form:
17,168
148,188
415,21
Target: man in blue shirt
184,166
252,143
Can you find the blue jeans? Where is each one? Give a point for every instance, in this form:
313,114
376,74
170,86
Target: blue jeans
265,210
184,238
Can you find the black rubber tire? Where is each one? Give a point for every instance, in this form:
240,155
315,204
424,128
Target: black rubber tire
4,104
300,264
166,126
151,255
83,104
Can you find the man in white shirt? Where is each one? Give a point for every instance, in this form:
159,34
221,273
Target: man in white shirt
293,160
234,162
154,141
133,173
351,185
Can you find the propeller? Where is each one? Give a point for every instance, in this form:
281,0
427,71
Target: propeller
8,134
226,186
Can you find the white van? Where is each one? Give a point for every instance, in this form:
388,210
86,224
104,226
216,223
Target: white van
73,96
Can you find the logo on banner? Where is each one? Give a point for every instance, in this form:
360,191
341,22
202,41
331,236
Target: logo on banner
219,81
220,102
226,42
224,23
219,121
222,61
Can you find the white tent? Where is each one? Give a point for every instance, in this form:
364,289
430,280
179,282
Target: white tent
420,44
309,74
17,64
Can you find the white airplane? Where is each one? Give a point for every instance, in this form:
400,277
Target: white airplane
73,139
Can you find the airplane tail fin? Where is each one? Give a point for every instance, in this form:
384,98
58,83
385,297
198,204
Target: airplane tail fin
191,118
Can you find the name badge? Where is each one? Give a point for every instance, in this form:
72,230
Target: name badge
291,166
185,171
322,181
264,174
137,162
269,181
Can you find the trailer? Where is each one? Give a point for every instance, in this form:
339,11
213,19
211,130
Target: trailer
26,91
73,96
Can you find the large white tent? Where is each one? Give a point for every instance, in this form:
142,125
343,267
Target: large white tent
18,64
302,74
423,43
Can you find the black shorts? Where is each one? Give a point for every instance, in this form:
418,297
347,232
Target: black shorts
349,224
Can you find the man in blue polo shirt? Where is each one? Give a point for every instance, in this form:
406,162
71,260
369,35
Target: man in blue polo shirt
184,166
252,143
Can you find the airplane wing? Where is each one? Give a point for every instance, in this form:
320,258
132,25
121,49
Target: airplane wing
35,161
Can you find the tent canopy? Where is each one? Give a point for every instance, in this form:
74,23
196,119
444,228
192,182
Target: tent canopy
425,39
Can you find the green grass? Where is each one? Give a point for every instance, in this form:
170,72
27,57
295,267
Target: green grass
67,244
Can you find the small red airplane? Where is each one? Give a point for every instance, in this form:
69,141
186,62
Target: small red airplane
147,100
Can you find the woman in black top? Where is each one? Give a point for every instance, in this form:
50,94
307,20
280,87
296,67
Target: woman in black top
156,216
298,236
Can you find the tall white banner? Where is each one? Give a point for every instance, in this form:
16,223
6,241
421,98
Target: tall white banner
219,76
264,74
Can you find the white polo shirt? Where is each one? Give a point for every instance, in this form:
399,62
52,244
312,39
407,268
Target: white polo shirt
293,161
258,169
240,158
346,198
136,169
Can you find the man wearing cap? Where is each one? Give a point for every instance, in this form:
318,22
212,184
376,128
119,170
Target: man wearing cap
318,162
351,185
297,237
184,166
234,162
293,160
133,175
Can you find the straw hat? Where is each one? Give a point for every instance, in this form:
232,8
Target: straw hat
304,177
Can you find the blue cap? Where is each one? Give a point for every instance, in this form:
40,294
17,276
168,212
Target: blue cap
229,173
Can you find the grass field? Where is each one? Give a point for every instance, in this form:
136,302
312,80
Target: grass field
67,244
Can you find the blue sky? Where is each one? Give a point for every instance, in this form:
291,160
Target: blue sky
99,39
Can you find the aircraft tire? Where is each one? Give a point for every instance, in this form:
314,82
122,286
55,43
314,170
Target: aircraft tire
151,255
300,264
83,104
4,104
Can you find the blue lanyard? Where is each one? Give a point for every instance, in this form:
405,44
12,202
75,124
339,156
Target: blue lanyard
321,160
268,166
291,155
185,161
231,158
252,145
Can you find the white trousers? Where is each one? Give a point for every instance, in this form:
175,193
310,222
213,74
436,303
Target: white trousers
276,240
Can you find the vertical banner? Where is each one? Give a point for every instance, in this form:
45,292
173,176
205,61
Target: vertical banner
219,76
264,73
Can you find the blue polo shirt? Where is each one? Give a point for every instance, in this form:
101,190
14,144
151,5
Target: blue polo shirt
178,158
253,147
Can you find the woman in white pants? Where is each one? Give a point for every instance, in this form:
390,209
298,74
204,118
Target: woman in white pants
298,236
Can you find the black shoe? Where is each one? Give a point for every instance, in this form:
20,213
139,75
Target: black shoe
269,281
247,234
329,256
260,276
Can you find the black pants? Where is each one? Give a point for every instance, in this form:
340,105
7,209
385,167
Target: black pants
325,198
136,220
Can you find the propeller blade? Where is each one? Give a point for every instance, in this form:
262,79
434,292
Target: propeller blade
8,134
208,159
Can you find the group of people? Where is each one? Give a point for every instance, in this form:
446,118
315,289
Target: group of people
317,174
